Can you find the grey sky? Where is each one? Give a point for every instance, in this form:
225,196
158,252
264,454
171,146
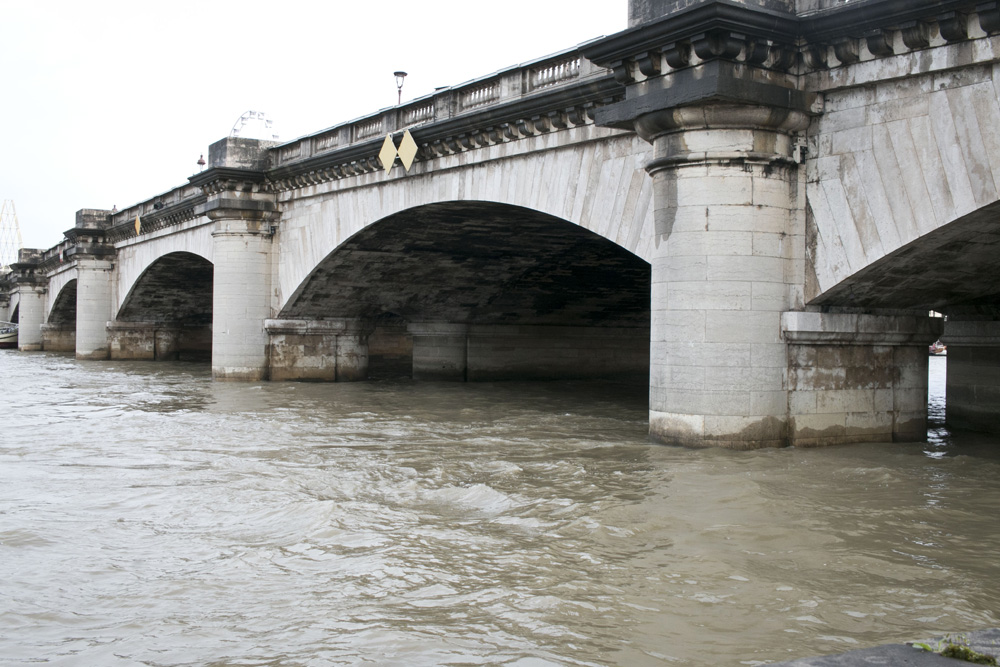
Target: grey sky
109,103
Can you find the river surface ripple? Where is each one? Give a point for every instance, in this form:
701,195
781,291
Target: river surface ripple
150,516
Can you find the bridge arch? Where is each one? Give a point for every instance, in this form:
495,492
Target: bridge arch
950,269
59,330
167,314
487,291
63,308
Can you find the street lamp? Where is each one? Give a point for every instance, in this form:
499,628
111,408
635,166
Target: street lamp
399,85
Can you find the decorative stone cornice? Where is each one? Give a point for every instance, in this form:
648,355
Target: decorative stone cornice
783,42
548,111
230,179
166,215
27,270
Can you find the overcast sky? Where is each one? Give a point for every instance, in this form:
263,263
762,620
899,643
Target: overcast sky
110,103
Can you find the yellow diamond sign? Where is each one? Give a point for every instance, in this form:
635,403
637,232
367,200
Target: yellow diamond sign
388,153
407,150
138,224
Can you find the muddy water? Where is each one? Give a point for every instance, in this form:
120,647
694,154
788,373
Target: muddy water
149,516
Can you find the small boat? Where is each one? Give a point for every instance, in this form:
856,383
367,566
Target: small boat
937,348
8,335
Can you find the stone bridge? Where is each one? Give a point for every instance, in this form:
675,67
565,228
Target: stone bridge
757,204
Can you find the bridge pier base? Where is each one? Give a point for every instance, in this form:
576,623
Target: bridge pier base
856,377
440,351
973,383
143,340
58,338
334,350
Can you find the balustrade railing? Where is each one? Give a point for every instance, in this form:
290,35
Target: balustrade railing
561,69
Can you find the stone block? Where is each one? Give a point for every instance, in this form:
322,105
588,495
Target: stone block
687,353
817,378
670,326
802,402
845,400
771,296
746,268
769,403
673,428
709,295
745,378
706,402
742,432
743,326
773,355
851,141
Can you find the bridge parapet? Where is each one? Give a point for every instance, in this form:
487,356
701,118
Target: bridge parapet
549,94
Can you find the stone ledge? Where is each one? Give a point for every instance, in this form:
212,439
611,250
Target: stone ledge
341,326
977,334
810,328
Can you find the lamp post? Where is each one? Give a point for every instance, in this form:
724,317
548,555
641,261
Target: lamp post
400,76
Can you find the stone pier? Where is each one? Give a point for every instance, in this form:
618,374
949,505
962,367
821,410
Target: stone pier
333,350
30,284
245,217
973,384
94,266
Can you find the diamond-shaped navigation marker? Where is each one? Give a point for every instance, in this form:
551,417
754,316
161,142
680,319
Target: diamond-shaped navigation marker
407,150
138,224
388,153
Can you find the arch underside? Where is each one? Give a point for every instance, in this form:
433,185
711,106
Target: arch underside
63,310
177,288
168,313
950,270
472,262
524,286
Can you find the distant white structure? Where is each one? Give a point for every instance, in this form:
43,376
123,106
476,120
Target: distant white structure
254,125
10,235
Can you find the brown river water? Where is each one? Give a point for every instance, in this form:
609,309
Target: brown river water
150,516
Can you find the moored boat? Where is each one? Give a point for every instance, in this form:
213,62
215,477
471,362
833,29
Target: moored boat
8,335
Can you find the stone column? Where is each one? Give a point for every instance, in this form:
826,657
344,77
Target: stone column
31,316
727,258
240,296
94,266
440,351
31,285
973,384
245,216
93,307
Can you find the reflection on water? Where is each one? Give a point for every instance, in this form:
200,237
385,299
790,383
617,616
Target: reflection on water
149,516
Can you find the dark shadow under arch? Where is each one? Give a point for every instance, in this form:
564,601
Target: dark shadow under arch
176,288
480,290
478,262
64,309
951,270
